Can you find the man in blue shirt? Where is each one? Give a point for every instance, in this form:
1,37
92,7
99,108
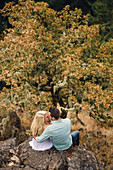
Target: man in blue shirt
59,131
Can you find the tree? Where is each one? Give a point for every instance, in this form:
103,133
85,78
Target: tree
50,57
101,12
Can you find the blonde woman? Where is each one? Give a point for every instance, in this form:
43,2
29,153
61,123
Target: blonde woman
41,120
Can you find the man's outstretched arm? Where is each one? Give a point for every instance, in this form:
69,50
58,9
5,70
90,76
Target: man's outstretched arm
45,135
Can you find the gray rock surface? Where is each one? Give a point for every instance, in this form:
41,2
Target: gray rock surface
82,159
50,159
22,157
5,148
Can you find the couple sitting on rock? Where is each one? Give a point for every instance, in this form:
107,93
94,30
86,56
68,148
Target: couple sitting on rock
50,130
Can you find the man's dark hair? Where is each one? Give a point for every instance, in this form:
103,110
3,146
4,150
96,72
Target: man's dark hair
54,113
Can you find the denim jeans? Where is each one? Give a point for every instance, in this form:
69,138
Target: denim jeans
75,138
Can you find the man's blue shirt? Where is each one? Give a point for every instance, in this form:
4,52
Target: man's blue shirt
59,131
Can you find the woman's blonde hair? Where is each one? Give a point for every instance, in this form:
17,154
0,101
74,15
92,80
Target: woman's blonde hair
37,126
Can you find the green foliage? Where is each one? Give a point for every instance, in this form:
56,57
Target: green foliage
50,57
10,126
102,14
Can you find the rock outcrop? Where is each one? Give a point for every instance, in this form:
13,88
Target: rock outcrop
22,157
